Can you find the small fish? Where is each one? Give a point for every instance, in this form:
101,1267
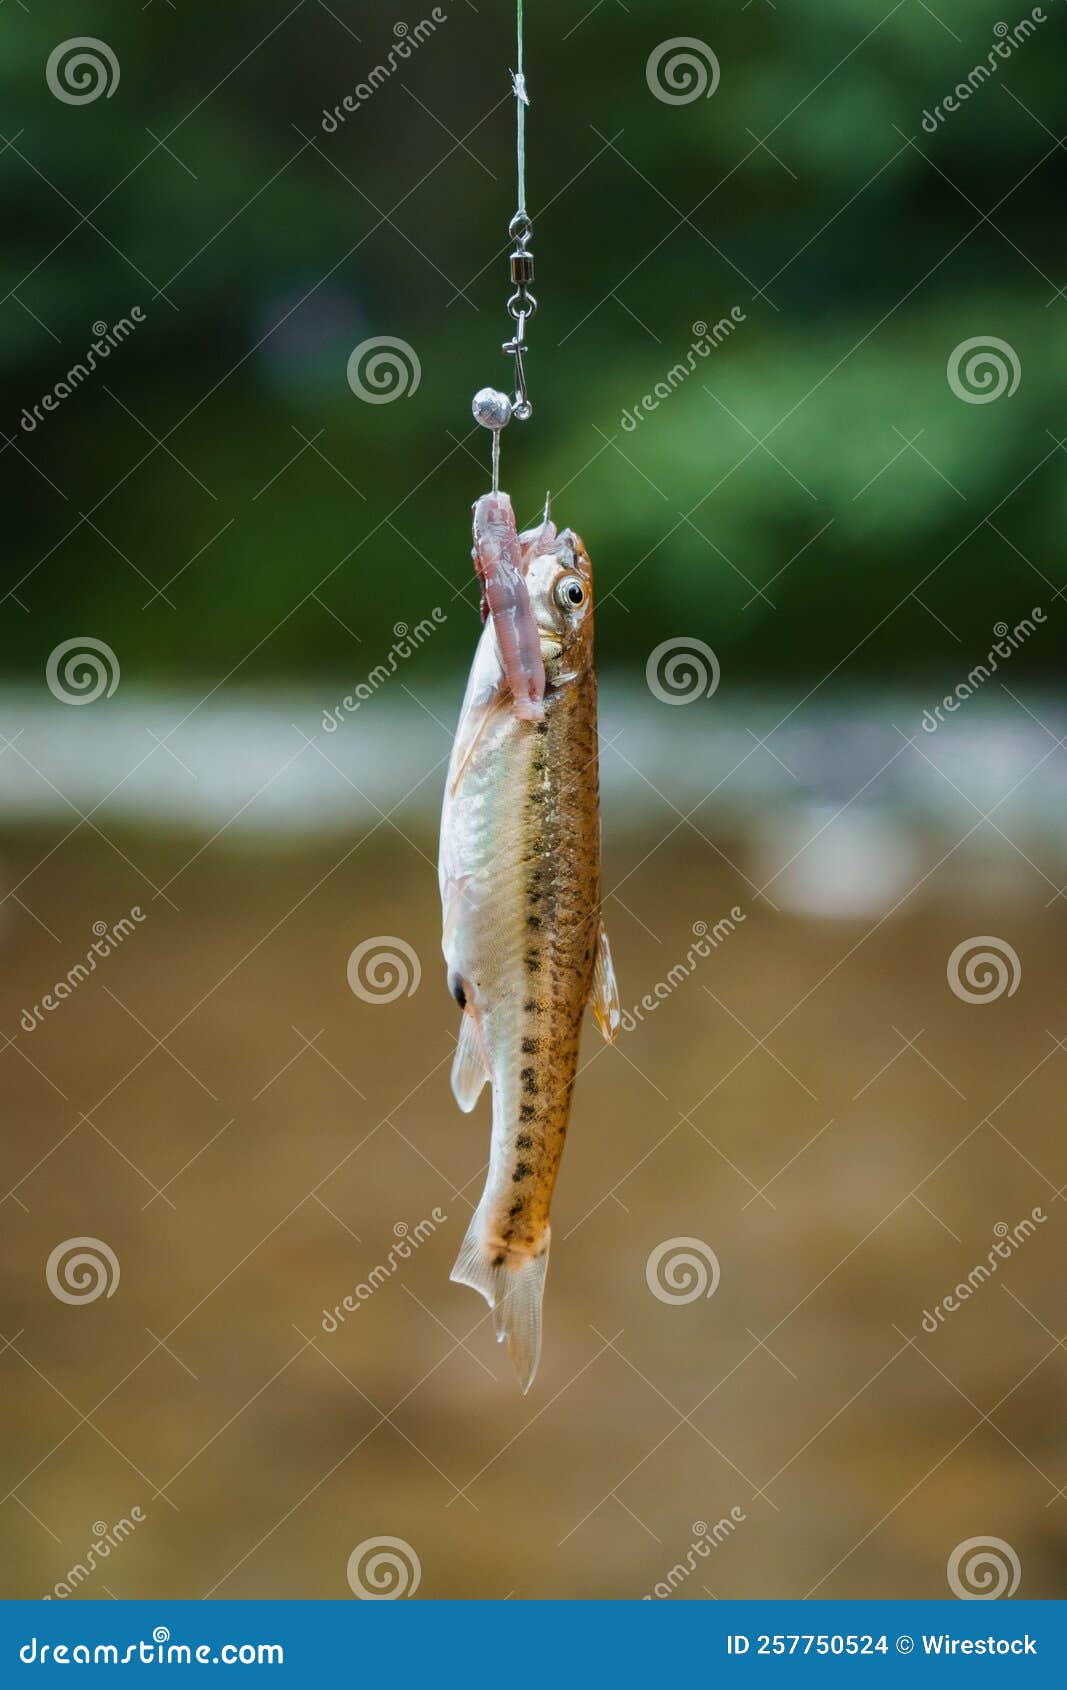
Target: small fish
523,940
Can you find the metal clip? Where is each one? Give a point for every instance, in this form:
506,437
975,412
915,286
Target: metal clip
521,406
521,307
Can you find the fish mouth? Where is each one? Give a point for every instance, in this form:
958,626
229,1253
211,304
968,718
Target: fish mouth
551,645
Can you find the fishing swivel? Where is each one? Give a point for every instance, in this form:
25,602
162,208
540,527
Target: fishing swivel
493,409
521,307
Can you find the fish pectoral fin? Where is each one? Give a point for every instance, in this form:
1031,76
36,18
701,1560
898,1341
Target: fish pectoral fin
469,1070
477,719
457,900
604,995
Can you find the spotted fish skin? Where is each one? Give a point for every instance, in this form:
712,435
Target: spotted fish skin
520,882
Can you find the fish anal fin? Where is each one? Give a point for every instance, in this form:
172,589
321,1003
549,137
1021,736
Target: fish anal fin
469,1069
604,994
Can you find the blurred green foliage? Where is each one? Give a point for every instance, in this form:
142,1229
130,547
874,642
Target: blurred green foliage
771,505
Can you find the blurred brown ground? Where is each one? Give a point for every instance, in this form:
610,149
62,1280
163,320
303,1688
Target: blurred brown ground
858,1459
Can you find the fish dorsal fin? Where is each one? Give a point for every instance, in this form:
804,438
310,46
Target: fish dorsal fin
469,1071
604,994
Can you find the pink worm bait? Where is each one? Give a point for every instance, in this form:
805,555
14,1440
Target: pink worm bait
498,558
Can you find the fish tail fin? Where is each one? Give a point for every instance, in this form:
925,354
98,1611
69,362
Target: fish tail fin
513,1284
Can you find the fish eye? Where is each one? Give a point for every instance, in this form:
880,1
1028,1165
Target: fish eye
570,592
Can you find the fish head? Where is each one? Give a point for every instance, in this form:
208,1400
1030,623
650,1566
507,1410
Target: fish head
560,584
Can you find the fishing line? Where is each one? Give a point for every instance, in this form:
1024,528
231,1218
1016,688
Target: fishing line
519,85
493,409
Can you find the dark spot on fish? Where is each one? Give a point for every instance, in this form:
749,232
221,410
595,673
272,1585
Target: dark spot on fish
530,1005
533,961
529,1046
516,1209
455,986
535,921
524,1142
526,1111
542,727
521,1172
498,1261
